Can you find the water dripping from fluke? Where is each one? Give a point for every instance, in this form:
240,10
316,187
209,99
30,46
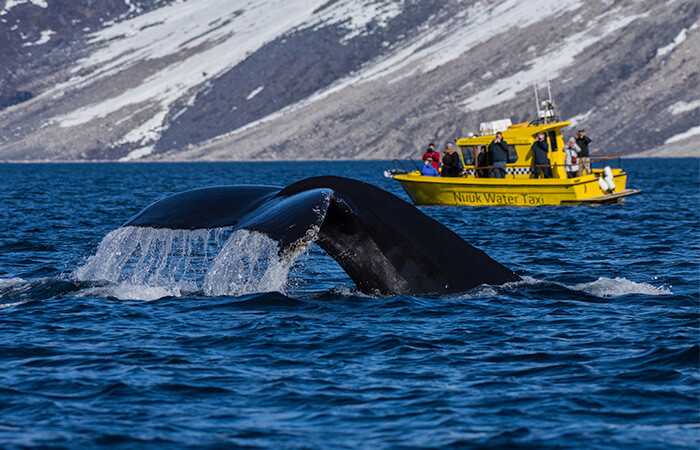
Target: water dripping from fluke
148,262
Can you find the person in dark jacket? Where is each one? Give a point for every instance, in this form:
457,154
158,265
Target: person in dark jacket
499,152
541,149
584,156
433,155
450,162
482,160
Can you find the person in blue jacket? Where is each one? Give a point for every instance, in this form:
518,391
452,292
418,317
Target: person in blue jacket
428,170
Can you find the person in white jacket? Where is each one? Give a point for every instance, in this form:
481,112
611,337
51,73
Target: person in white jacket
571,159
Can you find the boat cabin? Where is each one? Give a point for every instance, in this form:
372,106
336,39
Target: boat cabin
519,138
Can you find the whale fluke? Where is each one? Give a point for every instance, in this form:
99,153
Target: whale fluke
385,245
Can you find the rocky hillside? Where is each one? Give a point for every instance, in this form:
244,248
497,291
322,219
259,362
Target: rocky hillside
337,79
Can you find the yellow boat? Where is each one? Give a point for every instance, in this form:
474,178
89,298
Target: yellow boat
519,187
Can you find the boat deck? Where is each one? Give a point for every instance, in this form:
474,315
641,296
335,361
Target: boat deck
617,197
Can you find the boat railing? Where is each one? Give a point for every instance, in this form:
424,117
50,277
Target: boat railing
591,160
401,166
415,166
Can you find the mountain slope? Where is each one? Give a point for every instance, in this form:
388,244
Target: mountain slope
298,79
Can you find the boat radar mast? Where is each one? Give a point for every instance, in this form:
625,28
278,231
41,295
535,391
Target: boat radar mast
547,113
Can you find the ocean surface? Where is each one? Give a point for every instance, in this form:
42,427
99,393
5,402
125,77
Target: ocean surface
598,347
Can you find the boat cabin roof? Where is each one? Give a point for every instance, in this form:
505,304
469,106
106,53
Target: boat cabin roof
519,133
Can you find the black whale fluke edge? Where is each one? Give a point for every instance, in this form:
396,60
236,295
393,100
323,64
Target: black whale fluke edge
386,245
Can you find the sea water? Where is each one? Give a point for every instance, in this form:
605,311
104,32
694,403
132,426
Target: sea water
130,337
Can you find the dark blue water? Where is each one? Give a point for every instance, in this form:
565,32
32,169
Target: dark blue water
598,348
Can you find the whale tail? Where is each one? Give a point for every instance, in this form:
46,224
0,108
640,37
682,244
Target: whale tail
385,245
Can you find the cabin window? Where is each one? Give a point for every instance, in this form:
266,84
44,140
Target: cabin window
512,154
552,141
468,155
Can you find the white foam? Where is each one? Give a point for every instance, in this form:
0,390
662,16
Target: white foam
609,287
11,282
126,291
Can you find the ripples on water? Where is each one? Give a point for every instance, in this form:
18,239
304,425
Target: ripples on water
598,347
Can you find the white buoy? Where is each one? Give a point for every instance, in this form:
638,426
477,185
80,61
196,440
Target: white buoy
603,185
608,178
611,184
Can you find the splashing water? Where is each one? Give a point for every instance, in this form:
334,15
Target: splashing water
215,262
608,287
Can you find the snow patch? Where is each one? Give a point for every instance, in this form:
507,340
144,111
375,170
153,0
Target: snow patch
548,66
137,154
581,118
680,37
227,34
683,136
681,107
43,39
255,92
355,16
9,4
436,47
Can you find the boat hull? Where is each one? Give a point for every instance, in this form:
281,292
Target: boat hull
470,191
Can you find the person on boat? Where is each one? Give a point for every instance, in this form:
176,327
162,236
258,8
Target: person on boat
482,161
571,152
428,169
541,149
582,141
431,153
450,162
499,152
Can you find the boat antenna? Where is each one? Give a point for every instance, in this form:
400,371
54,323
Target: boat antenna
547,113
537,101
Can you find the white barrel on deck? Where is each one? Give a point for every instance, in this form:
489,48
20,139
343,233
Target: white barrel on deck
608,177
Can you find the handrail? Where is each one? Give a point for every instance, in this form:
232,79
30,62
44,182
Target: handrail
408,158
590,160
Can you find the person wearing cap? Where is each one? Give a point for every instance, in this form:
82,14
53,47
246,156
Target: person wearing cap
571,152
450,162
428,170
582,141
431,153
499,151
